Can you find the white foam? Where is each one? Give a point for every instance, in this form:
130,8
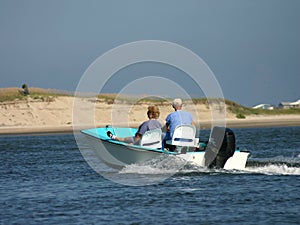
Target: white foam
169,165
166,165
275,170
144,169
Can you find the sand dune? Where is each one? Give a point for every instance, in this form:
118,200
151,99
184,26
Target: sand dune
56,115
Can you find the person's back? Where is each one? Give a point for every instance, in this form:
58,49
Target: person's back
177,118
150,124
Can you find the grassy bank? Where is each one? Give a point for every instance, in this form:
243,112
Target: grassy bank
15,94
242,111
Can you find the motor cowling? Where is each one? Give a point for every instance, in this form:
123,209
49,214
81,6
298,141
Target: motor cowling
220,148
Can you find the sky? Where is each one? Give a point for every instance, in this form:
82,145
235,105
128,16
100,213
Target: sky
252,47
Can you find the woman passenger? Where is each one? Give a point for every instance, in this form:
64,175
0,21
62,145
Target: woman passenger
151,124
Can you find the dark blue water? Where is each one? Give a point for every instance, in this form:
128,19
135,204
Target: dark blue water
45,180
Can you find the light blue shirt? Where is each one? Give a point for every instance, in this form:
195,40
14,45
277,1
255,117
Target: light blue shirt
177,118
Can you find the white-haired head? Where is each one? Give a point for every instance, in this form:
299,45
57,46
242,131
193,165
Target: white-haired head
177,103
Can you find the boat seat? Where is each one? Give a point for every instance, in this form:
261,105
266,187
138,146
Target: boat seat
152,139
184,135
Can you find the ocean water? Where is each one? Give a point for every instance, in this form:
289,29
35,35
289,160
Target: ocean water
44,179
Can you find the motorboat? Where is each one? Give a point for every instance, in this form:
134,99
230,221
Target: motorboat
185,146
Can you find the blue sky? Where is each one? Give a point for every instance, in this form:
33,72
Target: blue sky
252,47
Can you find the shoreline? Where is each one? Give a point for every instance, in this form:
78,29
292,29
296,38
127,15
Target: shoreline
237,123
36,116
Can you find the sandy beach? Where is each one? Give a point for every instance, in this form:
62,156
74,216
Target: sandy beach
37,116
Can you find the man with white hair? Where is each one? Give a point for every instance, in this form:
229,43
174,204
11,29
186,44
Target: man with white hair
177,118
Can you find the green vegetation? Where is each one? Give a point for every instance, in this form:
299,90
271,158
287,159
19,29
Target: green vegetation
48,95
14,94
240,116
111,98
242,111
153,100
200,101
10,95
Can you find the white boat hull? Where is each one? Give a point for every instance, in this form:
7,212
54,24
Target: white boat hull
237,161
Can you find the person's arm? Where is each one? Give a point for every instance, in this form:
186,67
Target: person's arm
168,122
165,128
126,139
137,138
139,134
193,123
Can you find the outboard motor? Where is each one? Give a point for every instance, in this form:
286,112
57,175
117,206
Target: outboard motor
220,148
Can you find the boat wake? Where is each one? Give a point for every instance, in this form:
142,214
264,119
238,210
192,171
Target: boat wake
278,165
173,165
275,170
166,164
